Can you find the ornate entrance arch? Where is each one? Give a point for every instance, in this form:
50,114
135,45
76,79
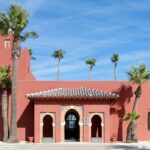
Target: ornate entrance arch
72,130
73,111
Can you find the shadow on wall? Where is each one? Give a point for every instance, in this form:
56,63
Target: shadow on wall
27,121
118,106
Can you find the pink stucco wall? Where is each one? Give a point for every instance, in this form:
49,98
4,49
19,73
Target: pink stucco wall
24,60
114,111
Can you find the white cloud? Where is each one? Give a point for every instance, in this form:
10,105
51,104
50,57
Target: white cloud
137,55
33,6
51,71
84,32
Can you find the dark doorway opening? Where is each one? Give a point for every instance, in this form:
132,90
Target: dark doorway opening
72,129
47,126
96,127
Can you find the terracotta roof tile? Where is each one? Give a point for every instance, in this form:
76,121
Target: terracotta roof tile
71,93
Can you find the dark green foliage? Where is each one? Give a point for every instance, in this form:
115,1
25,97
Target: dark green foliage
58,54
115,58
15,20
31,54
131,116
91,62
139,75
5,80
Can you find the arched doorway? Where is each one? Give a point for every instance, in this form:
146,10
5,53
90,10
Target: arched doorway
72,129
96,129
47,129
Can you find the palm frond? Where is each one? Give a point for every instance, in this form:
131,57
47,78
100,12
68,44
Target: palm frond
131,116
31,53
115,58
4,24
28,35
91,62
18,19
58,54
139,75
5,80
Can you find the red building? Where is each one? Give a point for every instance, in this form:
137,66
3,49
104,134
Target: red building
85,111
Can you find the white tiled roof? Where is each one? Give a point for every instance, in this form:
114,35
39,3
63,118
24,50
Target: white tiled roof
71,93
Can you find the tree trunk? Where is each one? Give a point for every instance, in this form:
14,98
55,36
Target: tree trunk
13,119
137,93
5,114
131,135
115,72
58,69
90,74
131,130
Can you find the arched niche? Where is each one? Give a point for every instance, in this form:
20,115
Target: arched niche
47,127
96,127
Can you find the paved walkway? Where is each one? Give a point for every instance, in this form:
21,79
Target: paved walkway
75,146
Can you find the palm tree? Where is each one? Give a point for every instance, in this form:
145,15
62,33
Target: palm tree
138,75
15,19
91,62
132,125
5,83
31,54
58,54
114,59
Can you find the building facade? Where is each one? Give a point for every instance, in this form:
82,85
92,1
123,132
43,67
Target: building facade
63,111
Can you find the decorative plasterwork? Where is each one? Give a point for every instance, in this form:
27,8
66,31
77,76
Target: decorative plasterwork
64,110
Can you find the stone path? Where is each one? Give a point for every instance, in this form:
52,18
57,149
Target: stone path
75,146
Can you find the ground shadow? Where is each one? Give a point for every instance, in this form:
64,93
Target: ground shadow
118,106
125,147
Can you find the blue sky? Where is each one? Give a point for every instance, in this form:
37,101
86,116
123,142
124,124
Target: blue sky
85,29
